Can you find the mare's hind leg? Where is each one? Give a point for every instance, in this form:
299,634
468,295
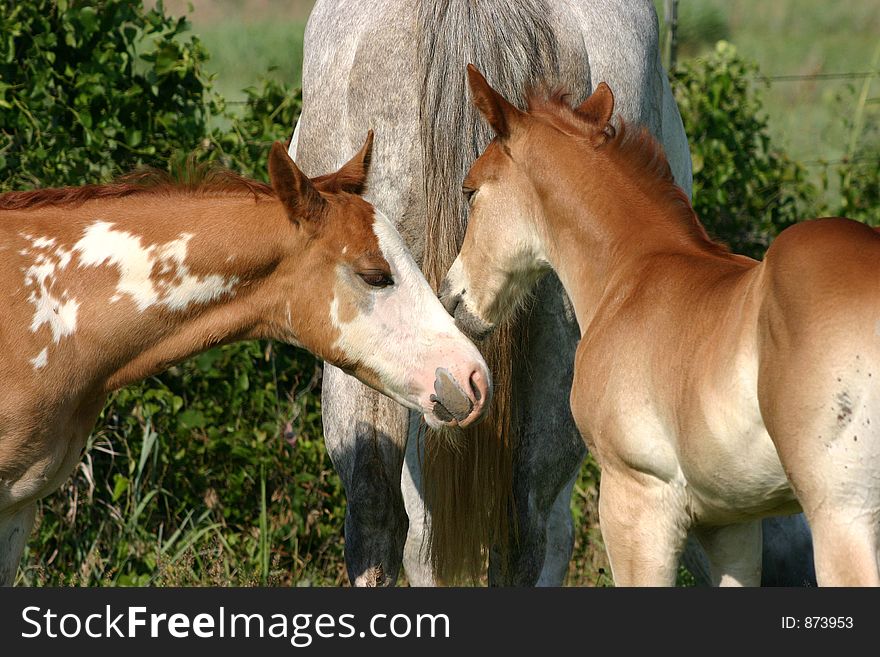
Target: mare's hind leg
15,528
788,552
365,433
549,448
734,553
644,523
416,553
544,540
557,537
560,538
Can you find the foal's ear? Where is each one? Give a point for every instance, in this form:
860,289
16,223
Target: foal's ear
500,114
352,176
295,191
599,107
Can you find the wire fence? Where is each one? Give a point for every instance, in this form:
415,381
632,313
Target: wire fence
670,56
818,76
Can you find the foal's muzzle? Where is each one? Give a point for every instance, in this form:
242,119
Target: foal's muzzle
467,322
455,406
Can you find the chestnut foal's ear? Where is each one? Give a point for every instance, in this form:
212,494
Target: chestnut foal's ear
500,114
352,176
599,107
295,191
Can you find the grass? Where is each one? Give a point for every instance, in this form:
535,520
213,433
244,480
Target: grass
798,37
785,37
241,52
247,38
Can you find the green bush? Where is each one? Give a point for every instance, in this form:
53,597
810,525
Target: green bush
858,175
218,461
89,89
745,190
859,182
270,111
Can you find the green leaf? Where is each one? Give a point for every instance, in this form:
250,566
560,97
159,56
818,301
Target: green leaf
120,485
191,419
133,137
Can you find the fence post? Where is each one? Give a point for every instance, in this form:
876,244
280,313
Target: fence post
671,18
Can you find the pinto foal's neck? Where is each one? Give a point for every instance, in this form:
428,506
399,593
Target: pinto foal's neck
118,289
605,223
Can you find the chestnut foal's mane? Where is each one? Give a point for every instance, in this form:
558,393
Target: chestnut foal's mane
635,151
189,179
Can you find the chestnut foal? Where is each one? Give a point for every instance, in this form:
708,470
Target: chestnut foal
713,389
105,285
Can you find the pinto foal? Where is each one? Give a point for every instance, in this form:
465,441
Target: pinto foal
713,389
105,285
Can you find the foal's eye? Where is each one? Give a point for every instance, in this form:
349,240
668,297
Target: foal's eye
376,278
468,193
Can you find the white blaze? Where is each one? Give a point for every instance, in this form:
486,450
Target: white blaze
401,324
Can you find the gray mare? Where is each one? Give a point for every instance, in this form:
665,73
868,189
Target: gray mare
398,67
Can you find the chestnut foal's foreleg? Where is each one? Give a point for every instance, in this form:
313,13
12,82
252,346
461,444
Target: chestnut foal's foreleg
644,522
734,553
15,527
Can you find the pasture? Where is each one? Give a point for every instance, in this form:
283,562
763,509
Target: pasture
214,473
811,118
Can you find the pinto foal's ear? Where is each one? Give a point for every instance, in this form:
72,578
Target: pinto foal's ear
599,107
295,191
352,176
500,114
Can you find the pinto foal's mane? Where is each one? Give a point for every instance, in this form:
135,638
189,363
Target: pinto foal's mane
188,179
633,150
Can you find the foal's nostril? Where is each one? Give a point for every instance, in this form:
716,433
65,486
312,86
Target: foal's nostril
480,388
449,399
475,388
